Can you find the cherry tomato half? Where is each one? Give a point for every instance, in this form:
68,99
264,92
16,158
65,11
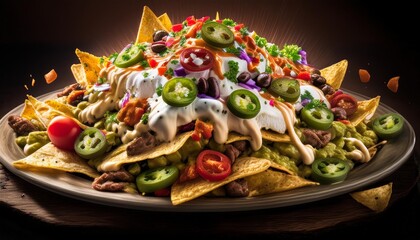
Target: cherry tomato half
63,132
179,92
345,101
244,104
329,170
388,125
155,179
196,59
91,143
213,165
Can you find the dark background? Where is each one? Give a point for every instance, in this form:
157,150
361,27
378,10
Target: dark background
37,36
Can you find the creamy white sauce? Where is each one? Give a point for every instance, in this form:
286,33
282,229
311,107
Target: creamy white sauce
164,119
361,154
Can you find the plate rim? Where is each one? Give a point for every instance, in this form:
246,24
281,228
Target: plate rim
138,202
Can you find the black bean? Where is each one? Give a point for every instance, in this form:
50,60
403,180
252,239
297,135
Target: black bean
263,80
214,90
327,89
318,80
243,77
158,46
202,85
159,34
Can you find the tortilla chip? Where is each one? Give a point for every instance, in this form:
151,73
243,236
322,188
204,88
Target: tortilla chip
29,113
282,168
51,157
90,65
376,199
271,181
118,157
266,135
67,109
189,190
166,21
365,110
148,25
335,73
79,74
217,16
274,136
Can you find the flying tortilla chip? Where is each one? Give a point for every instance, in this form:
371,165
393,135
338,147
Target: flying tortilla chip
335,73
51,157
270,181
90,65
118,157
365,110
189,190
148,25
166,21
376,199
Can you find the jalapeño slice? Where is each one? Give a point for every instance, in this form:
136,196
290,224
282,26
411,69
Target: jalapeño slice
129,56
329,170
91,143
244,104
286,88
388,125
179,92
217,34
157,178
317,117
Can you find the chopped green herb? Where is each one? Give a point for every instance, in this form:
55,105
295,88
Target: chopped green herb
101,80
229,22
268,69
306,95
144,63
182,41
144,118
291,52
174,62
145,74
159,90
233,71
260,41
273,49
169,72
233,50
113,56
244,31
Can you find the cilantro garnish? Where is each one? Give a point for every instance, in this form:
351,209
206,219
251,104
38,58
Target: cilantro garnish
268,69
244,31
174,62
315,103
159,90
182,41
144,64
273,49
306,95
291,52
260,41
144,118
233,50
229,22
169,72
233,71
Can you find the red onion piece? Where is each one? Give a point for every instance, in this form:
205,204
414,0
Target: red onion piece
101,87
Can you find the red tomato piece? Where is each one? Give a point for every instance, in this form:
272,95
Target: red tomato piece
239,26
304,76
202,129
63,132
164,192
196,59
203,19
177,27
152,62
213,165
345,101
189,173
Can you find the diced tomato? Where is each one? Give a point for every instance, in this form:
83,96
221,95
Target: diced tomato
304,76
239,26
286,71
190,20
152,62
161,70
203,19
219,21
177,27
345,121
169,41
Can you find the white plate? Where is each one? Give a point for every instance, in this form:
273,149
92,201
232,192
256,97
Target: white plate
386,161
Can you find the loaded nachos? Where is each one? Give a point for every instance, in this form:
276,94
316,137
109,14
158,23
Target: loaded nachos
203,108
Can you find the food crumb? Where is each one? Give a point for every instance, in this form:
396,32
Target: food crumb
364,75
33,82
26,87
393,84
51,76
22,195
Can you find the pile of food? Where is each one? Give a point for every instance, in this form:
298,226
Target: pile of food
203,108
